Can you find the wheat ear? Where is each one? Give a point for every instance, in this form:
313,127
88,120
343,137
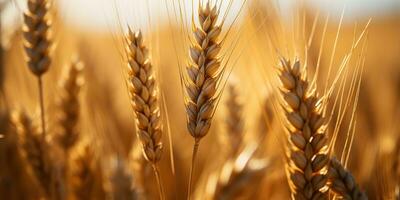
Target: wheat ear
34,148
234,120
68,103
342,182
144,97
307,149
202,77
37,45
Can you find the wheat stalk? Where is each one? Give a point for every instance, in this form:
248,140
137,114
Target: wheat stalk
144,97
342,182
34,149
234,120
68,104
306,134
202,77
37,45
396,168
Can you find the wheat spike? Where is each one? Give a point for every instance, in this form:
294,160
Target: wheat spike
86,181
35,151
144,97
203,73
202,76
143,91
306,134
37,45
234,120
68,104
37,42
342,182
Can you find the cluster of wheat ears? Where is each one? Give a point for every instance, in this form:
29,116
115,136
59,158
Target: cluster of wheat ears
299,109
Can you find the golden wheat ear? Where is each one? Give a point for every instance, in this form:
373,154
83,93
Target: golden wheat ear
36,35
68,107
342,182
202,77
144,95
35,150
307,139
37,45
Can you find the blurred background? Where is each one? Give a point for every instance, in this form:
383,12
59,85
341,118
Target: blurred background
319,32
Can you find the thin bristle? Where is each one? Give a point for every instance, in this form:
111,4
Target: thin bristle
36,34
69,107
34,148
307,139
342,182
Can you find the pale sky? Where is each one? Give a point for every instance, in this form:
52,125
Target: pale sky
102,13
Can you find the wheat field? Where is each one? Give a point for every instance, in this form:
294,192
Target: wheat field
200,99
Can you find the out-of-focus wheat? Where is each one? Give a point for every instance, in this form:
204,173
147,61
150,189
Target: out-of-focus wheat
306,135
85,177
69,107
122,187
236,175
234,120
35,150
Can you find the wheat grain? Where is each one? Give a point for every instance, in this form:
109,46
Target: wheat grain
144,97
68,105
342,182
306,134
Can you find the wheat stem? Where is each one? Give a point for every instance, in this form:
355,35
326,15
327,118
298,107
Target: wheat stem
159,181
192,167
41,101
